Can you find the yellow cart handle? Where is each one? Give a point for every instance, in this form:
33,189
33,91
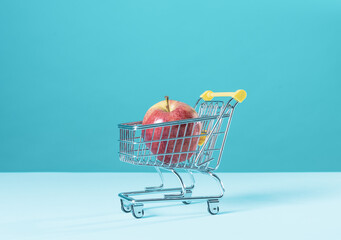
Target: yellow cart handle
238,95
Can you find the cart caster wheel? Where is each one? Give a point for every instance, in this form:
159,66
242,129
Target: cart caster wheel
186,202
137,210
125,208
212,206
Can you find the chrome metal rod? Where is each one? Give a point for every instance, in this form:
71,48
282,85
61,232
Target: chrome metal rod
153,191
183,188
132,200
218,180
190,173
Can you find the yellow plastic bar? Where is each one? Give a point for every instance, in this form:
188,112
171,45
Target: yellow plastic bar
238,95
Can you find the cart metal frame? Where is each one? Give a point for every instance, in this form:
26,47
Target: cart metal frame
214,120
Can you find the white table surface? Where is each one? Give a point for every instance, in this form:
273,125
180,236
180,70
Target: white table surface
85,206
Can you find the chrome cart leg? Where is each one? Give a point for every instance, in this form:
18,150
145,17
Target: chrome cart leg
125,206
183,188
188,193
162,181
222,189
137,210
212,206
192,179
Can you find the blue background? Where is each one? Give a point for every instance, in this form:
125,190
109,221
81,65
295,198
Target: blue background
70,71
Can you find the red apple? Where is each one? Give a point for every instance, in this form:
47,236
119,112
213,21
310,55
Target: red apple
166,111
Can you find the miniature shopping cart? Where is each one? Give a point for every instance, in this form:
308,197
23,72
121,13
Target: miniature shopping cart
135,148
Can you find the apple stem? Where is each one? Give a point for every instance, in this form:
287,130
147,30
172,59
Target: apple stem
167,103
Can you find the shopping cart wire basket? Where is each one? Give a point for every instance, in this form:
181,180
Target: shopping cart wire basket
178,145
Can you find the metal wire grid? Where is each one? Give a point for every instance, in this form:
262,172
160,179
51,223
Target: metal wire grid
135,149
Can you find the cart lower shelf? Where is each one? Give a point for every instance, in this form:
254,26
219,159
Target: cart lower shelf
129,202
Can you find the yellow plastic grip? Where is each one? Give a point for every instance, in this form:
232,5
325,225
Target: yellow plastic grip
238,95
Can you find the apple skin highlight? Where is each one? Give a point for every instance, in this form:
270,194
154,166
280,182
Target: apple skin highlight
175,111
